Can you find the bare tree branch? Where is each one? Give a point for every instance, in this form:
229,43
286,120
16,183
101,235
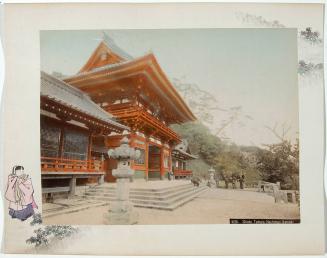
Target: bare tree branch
280,135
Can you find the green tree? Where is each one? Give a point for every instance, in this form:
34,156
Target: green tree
280,163
231,165
201,142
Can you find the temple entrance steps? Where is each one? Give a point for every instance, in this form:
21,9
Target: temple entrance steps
70,205
164,198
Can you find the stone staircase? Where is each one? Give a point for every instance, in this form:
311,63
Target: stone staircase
168,198
66,206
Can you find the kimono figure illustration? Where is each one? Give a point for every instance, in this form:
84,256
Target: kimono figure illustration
19,193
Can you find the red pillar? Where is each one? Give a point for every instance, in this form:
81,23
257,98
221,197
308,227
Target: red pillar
162,168
146,159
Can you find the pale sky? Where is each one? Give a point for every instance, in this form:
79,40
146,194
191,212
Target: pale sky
252,68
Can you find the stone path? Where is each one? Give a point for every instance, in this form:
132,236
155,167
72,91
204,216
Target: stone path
215,206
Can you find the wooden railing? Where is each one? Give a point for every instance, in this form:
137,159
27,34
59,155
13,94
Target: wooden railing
70,165
180,172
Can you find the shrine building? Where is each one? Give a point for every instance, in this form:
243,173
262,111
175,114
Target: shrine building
73,129
139,95
181,154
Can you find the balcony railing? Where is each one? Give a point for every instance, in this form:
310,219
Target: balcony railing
49,164
181,172
130,112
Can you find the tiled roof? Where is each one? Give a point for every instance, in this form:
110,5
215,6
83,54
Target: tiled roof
101,68
116,49
186,154
183,149
72,97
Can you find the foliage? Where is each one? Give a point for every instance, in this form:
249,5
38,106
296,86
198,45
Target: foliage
44,235
259,20
201,141
206,106
199,168
231,165
202,102
280,163
40,238
37,219
229,160
311,36
306,68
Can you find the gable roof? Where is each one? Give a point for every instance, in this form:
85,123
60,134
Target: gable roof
106,53
184,149
115,48
67,95
146,66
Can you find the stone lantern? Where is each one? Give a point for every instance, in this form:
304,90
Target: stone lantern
211,181
121,210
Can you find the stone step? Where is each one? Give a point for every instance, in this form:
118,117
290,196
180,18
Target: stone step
145,196
163,189
141,194
145,190
175,205
167,203
72,209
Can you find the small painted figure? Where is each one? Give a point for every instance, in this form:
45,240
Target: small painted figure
242,179
170,175
19,193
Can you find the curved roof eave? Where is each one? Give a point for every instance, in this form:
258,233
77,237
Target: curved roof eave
148,59
65,94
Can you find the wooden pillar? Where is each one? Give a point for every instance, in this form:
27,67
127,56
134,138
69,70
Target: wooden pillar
170,162
89,151
162,167
146,172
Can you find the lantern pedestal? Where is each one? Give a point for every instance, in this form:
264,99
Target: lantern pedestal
121,211
212,182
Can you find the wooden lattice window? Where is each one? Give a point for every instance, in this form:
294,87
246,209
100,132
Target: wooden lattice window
75,144
50,139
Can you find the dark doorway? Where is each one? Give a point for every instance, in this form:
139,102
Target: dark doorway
154,162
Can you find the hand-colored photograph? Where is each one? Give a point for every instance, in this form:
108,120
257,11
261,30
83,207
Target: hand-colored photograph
169,126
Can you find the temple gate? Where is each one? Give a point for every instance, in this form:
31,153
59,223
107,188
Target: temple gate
139,95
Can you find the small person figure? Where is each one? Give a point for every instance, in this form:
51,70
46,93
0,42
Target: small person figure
242,179
234,182
19,193
170,175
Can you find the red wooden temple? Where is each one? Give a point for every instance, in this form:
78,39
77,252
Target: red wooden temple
73,131
181,154
137,92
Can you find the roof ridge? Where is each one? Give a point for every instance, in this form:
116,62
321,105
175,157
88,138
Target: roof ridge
110,42
104,67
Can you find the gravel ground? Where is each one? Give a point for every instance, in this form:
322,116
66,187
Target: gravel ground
216,206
